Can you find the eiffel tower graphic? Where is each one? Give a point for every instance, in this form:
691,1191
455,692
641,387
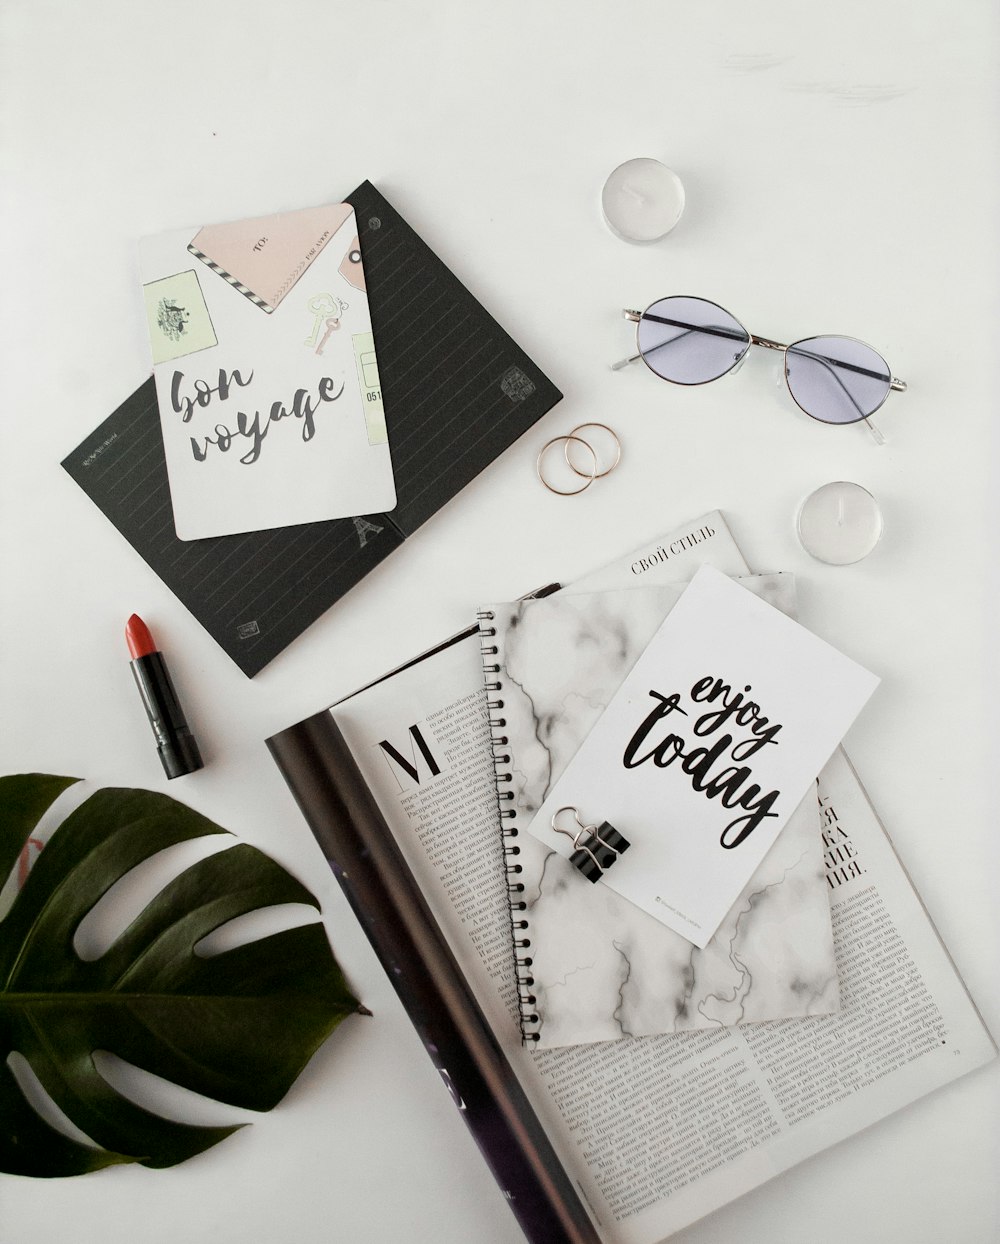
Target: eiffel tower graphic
363,527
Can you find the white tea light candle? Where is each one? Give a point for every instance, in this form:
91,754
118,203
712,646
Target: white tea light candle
839,523
642,200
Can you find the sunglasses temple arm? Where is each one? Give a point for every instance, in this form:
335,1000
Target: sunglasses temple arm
732,334
843,365
688,328
832,365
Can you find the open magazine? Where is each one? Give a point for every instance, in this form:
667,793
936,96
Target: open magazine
632,1139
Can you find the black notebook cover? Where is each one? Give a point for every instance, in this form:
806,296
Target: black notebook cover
457,391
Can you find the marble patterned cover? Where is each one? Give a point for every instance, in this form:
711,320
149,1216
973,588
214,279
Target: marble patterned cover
602,968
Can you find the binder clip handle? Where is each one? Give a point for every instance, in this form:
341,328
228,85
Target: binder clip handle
595,847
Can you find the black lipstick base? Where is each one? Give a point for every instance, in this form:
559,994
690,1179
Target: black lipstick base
175,743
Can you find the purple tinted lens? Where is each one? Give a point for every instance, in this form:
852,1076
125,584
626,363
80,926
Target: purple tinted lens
690,340
836,379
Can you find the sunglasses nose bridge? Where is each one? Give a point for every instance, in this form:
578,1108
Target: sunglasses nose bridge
767,343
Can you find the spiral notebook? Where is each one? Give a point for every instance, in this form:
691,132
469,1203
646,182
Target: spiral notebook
600,967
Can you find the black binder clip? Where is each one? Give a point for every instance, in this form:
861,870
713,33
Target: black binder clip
596,847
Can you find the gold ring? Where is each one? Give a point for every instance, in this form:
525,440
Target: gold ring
604,427
567,492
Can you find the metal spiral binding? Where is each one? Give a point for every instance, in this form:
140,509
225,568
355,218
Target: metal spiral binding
519,931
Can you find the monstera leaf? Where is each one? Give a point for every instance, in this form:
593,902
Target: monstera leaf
237,1026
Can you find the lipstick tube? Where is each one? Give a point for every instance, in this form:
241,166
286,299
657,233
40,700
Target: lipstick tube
176,745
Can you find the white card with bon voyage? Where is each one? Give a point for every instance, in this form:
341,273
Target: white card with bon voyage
706,749
266,374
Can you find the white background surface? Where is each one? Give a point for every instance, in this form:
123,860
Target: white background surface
841,172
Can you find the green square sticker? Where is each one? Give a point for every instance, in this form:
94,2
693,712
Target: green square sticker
371,388
178,317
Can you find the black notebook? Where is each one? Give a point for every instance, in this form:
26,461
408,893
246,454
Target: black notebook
457,391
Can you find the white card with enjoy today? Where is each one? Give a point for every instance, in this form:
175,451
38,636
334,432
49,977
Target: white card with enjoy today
711,742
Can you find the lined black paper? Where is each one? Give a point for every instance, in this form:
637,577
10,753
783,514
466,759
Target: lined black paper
457,391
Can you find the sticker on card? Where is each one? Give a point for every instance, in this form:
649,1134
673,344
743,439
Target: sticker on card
178,317
263,258
371,388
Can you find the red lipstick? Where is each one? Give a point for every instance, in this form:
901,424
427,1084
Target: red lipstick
175,743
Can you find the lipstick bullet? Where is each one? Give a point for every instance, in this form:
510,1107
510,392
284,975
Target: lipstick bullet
175,743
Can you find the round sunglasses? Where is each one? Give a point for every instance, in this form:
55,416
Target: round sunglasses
693,341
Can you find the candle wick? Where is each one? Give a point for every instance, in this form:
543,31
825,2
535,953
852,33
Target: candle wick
840,511
639,198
